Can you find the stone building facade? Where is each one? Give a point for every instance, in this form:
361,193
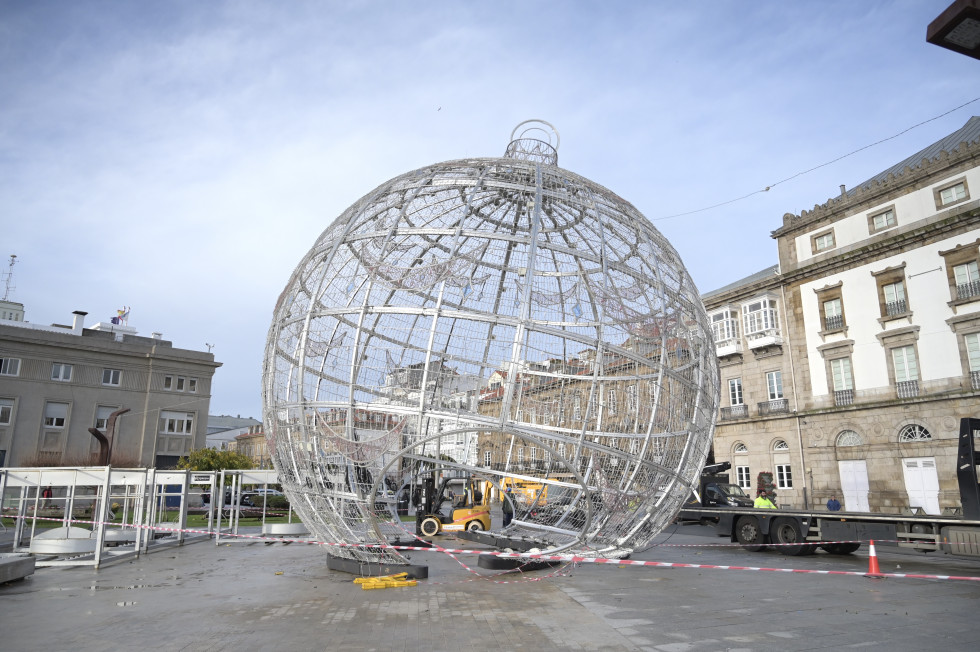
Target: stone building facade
58,381
878,301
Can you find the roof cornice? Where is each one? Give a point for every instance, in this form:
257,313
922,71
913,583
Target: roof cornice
876,191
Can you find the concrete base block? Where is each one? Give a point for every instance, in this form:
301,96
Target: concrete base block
63,541
15,566
368,569
508,563
285,530
500,541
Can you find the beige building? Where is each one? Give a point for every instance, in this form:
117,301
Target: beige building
846,368
252,444
58,381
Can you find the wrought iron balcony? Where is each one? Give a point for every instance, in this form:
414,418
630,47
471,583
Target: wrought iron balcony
734,412
899,307
833,322
968,290
975,379
907,388
775,406
843,397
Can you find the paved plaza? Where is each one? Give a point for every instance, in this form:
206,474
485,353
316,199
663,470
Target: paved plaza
253,596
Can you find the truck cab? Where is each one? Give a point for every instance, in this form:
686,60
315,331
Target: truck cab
717,493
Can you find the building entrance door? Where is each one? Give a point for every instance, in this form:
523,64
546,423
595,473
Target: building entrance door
854,485
922,483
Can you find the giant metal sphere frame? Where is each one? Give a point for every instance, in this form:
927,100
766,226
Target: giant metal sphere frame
498,319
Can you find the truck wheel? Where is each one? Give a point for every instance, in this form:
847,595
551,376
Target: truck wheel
787,531
841,548
474,526
747,533
430,526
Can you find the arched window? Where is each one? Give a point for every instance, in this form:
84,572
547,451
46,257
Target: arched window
780,445
914,432
740,448
849,438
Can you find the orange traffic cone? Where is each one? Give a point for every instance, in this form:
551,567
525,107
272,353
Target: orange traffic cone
873,570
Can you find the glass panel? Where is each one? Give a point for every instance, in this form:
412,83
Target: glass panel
841,370
906,367
973,350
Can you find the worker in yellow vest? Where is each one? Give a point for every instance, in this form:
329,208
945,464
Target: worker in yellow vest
763,502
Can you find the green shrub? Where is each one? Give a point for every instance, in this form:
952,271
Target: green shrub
276,502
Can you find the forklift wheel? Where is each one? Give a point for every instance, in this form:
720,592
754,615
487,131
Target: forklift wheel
430,526
474,526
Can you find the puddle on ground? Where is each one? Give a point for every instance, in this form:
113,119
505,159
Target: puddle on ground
96,587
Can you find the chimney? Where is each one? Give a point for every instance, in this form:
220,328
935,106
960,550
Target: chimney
78,323
843,190
156,336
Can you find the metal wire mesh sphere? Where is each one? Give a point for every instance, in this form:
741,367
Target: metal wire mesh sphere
500,319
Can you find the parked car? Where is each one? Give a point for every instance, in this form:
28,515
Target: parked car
267,492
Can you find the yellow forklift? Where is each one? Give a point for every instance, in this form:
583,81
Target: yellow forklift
457,504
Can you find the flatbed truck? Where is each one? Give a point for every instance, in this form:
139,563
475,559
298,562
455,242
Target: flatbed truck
802,532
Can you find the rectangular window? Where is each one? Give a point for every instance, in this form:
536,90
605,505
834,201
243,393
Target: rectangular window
6,411
882,221
906,366
735,391
973,350
743,477
784,476
630,398
102,414
192,384
612,401
952,194
841,371
561,449
168,383
774,380
176,423
577,409
895,303
55,415
724,326
487,457
180,383
111,377
760,316
61,372
534,453
520,455
822,241
9,366
967,280
833,315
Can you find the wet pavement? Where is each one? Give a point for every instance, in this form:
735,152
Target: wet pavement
257,596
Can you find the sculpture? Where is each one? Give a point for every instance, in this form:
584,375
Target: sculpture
500,319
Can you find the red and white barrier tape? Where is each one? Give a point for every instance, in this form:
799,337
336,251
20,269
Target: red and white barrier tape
573,559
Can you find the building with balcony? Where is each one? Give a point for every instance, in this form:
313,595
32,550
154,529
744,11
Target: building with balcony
877,317
58,381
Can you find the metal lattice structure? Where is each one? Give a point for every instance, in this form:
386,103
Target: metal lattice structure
500,318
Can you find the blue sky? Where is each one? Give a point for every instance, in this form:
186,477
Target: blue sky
181,157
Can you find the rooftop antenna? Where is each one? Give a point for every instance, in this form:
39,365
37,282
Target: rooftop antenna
8,286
